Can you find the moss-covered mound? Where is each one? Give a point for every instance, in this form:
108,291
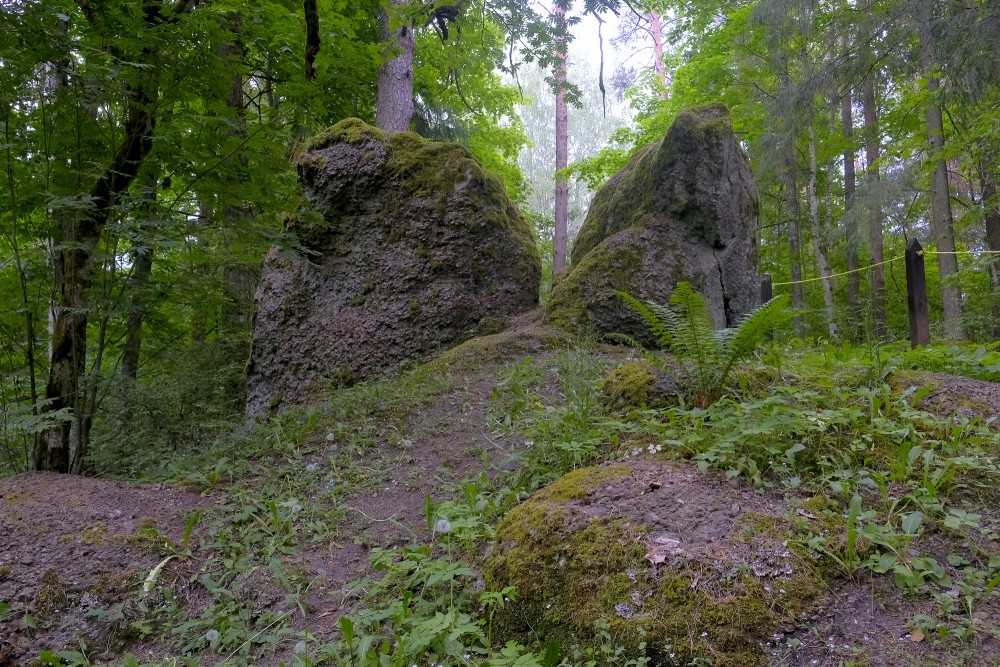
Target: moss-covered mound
639,383
409,247
684,208
663,556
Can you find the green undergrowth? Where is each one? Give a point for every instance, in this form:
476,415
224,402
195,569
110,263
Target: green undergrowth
876,489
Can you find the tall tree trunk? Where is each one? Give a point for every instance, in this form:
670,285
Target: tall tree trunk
659,67
819,246
876,243
142,267
851,220
63,447
794,245
394,103
239,278
561,213
991,204
951,292
792,209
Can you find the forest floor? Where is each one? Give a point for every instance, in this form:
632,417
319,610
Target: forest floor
252,551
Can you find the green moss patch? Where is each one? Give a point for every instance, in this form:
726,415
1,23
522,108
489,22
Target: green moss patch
629,384
575,564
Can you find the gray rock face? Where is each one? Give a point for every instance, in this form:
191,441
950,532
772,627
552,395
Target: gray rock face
682,209
415,248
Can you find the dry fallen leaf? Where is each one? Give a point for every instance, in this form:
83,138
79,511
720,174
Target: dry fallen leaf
663,547
916,635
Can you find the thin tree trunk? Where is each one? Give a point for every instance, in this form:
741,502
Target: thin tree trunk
659,67
239,278
63,447
818,244
851,220
792,211
951,292
876,243
394,103
991,204
561,213
142,269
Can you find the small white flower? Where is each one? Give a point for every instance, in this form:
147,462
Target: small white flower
212,635
299,648
442,526
312,467
704,634
330,437
296,508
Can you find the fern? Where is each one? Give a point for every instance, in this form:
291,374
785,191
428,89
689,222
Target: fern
706,357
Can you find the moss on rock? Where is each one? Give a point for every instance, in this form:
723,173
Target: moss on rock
349,130
410,247
629,384
684,208
573,568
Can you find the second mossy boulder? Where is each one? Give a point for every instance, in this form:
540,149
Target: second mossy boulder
683,209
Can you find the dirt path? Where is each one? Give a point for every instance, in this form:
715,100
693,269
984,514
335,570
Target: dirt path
71,544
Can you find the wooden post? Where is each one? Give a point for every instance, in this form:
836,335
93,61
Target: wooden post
765,289
916,295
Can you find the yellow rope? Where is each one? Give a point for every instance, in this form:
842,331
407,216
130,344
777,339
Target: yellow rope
888,261
836,275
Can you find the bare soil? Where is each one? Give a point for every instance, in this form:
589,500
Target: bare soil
71,544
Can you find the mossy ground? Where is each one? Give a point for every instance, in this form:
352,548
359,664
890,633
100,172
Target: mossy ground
574,571
628,385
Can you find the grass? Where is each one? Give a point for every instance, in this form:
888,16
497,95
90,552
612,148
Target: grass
878,489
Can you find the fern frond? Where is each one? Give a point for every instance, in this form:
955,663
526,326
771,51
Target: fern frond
740,342
658,326
693,333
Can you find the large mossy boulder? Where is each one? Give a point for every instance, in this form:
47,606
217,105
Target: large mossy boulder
409,248
671,563
683,209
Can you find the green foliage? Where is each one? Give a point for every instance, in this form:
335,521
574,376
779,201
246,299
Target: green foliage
981,362
706,357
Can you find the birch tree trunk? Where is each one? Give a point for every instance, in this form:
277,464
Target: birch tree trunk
819,246
851,220
394,102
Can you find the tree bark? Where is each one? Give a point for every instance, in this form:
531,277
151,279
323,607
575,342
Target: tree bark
792,210
991,205
819,246
876,243
394,103
142,267
561,213
63,447
239,278
851,220
951,292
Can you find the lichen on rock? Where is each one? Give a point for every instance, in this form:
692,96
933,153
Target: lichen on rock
409,247
682,209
